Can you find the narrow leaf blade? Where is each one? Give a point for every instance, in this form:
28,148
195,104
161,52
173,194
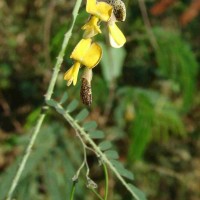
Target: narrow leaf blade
97,134
121,170
91,125
105,145
111,154
64,98
60,110
116,163
82,115
72,106
125,173
51,102
138,192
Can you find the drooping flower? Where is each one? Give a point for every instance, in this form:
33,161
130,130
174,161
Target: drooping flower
100,11
117,38
110,11
85,53
91,27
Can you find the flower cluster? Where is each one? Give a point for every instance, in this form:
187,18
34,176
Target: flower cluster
89,53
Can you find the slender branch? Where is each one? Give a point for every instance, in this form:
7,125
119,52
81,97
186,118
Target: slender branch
147,24
25,157
87,138
97,194
88,169
73,190
84,160
47,97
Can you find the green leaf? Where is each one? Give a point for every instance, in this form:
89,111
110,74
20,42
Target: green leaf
125,173
72,106
64,98
121,170
82,115
51,102
116,163
105,145
60,110
111,154
112,62
97,134
138,192
91,125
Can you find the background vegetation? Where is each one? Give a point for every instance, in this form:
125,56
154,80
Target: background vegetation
145,98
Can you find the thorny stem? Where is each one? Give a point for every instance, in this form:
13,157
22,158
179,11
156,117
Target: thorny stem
47,97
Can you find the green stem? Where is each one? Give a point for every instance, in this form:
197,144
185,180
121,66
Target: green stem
73,190
85,158
96,193
106,181
25,157
86,136
47,97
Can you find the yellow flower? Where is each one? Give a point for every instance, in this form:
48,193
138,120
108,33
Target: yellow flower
117,38
101,10
72,74
109,11
85,53
91,27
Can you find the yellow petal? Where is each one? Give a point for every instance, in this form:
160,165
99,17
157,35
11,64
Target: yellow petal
91,27
90,5
72,74
101,10
80,49
87,53
117,38
92,56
